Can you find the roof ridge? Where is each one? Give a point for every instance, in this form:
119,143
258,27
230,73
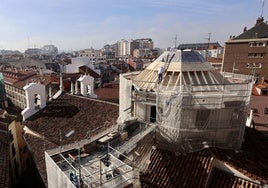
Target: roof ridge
92,99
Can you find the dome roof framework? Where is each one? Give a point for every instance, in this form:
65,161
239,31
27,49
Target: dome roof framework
181,68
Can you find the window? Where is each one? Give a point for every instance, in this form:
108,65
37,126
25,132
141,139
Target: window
257,44
256,55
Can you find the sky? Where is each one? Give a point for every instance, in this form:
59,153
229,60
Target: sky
79,24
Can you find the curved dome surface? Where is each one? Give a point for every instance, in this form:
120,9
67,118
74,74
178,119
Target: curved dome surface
181,68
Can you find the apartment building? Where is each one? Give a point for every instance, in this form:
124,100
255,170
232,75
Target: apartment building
127,47
247,53
15,80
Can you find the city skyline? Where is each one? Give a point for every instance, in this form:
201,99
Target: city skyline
74,25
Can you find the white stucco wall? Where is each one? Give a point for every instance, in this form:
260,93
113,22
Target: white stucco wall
141,111
78,62
56,178
87,86
32,91
124,99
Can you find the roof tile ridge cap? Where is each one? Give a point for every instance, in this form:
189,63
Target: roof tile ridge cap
97,100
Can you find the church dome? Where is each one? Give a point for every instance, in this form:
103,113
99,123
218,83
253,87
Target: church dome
181,68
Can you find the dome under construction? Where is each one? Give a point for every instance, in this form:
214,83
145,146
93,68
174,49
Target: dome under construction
192,105
181,68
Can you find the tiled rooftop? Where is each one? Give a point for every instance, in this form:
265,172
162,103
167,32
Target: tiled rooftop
252,159
168,169
110,92
165,169
83,115
225,179
260,30
86,70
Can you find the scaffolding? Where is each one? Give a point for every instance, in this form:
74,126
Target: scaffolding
198,117
102,169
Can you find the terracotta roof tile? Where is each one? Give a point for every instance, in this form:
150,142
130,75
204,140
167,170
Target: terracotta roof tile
227,180
166,169
252,159
86,70
108,92
37,146
68,112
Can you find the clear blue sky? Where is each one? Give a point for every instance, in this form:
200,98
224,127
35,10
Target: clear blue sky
80,24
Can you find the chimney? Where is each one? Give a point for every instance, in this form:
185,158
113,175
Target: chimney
259,20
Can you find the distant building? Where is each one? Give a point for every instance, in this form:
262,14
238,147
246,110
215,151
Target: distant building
45,52
124,47
127,47
32,52
135,63
213,49
247,53
49,50
15,80
212,52
77,62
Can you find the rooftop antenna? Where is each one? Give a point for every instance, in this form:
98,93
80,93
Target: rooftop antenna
175,41
262,7
209,35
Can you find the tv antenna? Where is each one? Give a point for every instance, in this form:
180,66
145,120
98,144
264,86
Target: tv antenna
209,35
262,7
175,41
